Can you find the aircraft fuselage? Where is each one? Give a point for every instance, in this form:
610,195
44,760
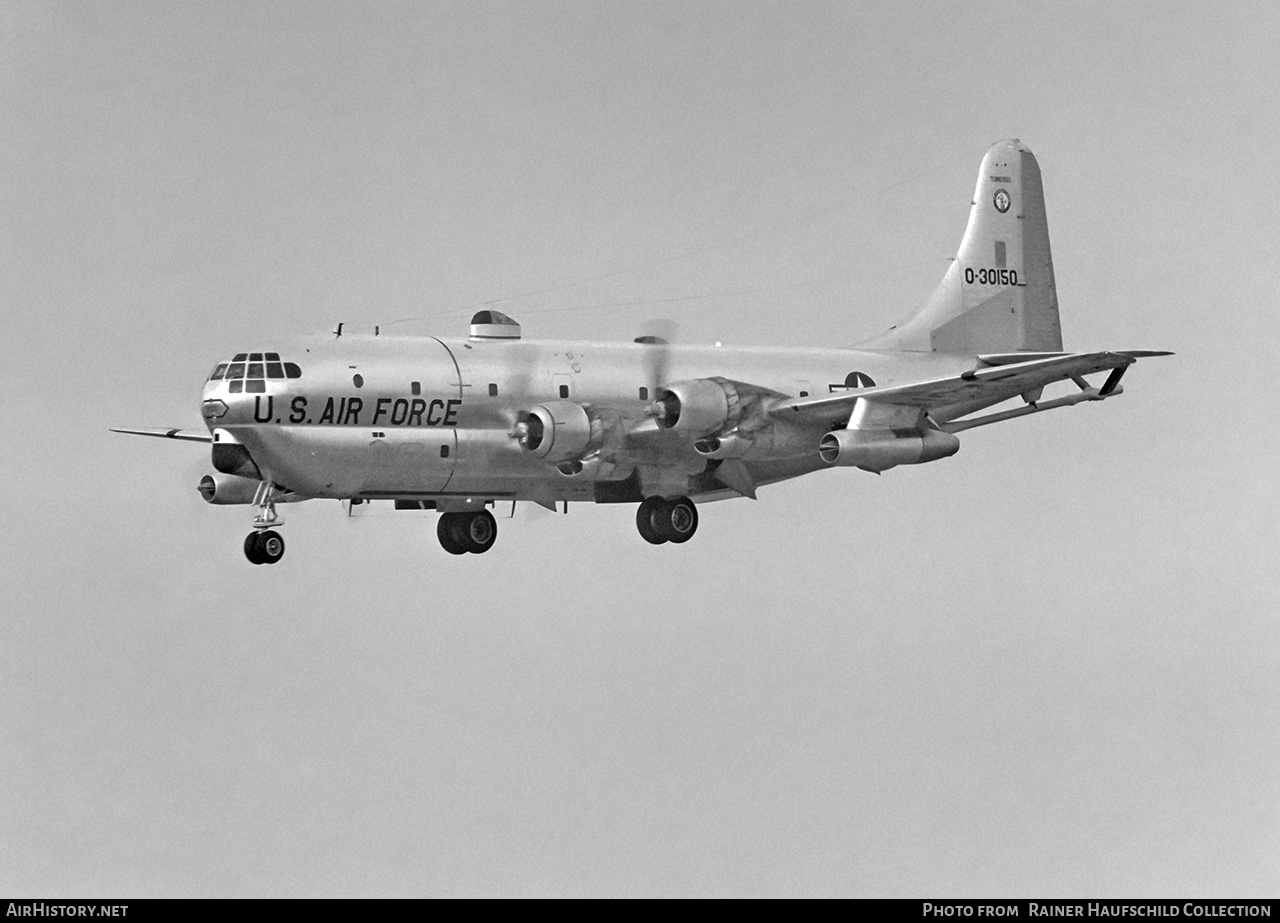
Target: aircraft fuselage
424,418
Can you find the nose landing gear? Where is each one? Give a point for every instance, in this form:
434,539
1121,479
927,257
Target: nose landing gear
467,533
264,545
660,520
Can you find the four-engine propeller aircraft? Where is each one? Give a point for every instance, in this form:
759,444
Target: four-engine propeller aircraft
456,424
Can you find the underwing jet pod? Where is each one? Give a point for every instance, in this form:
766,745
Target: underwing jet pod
457,424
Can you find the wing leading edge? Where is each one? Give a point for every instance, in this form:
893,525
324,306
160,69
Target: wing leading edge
997,378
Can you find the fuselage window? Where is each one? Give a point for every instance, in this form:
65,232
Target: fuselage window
255,370
415,388
291,370
564,390
236,370
444,451
493,390
644,394
219,372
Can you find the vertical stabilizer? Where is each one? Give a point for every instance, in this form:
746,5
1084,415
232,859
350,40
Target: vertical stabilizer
998,295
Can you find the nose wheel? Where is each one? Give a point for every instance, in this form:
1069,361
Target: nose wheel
264,547
660,521
467,533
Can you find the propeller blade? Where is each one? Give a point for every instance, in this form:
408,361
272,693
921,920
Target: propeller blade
658,335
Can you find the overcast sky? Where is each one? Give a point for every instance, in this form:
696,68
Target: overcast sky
1048,666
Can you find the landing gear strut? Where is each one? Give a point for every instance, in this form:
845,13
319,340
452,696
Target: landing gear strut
660,520
463,533
264,545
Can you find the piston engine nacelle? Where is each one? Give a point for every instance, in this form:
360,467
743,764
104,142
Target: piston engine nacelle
881,449
229,490
698,408
230,457
559,431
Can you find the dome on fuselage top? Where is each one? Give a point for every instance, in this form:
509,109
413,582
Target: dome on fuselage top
493,325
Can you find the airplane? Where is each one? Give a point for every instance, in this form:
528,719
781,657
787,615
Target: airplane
458,424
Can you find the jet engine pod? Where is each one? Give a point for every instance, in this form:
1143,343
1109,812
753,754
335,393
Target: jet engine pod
699,407
559,431
227,489
881,449
230,490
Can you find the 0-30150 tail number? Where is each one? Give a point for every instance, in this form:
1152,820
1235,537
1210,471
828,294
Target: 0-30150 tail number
990,276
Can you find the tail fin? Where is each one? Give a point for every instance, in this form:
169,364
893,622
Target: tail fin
998,295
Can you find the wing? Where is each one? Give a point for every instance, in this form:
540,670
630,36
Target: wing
183,434
998,378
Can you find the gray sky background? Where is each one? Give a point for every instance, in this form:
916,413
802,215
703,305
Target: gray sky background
1048,666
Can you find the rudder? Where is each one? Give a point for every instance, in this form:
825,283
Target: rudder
998,294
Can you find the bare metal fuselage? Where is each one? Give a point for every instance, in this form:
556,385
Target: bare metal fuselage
426,418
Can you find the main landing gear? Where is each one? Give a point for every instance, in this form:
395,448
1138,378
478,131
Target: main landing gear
264,545
662,520
463,533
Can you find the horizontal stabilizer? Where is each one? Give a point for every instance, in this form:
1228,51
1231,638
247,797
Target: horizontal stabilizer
1016,358
183,434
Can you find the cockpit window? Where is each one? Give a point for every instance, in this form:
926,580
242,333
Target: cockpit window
258,368
255,386
236,386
